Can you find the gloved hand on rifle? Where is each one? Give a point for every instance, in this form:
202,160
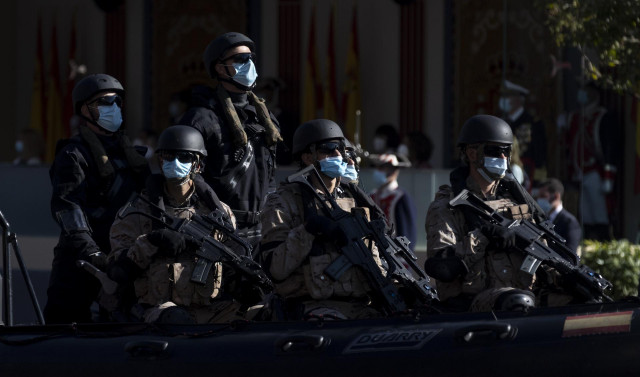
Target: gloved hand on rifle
96,258
321,226
171,243
501,237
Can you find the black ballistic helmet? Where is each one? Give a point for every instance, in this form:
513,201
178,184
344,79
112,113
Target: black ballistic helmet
485,128
181,138
216,49
91,85
315,131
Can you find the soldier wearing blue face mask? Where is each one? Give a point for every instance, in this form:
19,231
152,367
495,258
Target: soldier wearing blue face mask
300,239
94,173
471,260
240,133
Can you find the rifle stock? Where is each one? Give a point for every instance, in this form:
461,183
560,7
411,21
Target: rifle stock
541,245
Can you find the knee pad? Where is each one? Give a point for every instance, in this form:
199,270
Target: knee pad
175,315
515,300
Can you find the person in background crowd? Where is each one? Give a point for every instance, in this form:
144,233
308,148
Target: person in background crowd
29,147
387,140
549,197
396,203
529,130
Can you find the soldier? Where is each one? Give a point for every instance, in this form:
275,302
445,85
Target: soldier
94,173
470,261
300,240
239,131
160,261
529,131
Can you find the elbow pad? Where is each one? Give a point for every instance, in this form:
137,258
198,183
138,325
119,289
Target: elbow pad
445,266
73,221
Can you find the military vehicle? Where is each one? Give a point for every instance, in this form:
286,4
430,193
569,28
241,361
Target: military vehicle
599,339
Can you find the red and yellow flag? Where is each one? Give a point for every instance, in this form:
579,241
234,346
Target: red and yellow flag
38,100
55,129
351,91
330,111
67,106
312,98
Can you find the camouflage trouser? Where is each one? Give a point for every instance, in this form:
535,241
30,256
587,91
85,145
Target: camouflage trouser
217,312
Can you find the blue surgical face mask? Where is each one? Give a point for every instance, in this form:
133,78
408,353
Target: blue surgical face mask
245,73
110,117
544,204
495,167
583,97
333,167
19,146
176,169
505,104
350,174
379,178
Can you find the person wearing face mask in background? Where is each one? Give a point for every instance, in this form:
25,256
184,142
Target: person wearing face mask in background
387,140
240,133
29,148
160,261
472,261
300,240
396,203
594,163
549,198
529,130
93,174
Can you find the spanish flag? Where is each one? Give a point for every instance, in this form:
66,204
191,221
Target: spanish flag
312,100
38,100
330,90
55,129
351,90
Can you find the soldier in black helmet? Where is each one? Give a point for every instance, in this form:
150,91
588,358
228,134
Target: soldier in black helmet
94,173
470,261
300,240
240,132
160,261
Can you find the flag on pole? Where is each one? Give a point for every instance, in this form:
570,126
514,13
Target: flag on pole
312,100
351,91
67,106
55,129
38,100
330,91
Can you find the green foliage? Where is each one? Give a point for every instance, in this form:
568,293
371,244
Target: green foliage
606,32
617,261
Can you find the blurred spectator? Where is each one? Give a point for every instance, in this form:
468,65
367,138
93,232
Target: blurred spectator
529,130
420,149
393,200
594,162
549,197
517,168
178,105
387,140
29,147
148,138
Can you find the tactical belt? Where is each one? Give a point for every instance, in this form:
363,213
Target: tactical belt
247,217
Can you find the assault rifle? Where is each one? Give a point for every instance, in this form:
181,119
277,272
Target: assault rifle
202,228
394,251
541,245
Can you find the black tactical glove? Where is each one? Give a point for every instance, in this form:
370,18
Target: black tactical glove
171,243
97,258
325,227
123,270
501,237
